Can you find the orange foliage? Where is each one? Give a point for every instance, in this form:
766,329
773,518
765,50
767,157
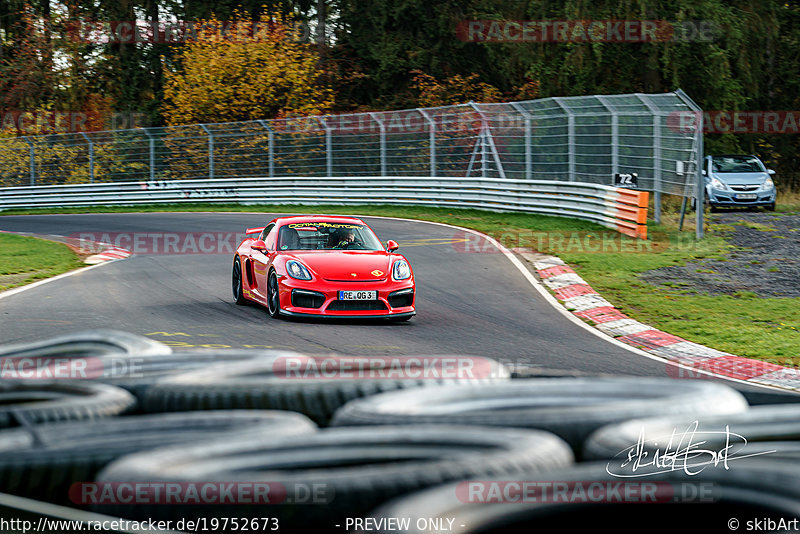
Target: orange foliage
251,70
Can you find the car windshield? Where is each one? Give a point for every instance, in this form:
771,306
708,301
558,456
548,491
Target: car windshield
736,164
327,235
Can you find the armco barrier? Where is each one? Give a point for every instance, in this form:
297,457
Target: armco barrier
621,209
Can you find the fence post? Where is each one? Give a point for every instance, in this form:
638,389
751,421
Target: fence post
431,140
210,151
701,185
528,148
570,137
382,127
328,146
32,160
614,134
91,157
657,186
270,149
152,151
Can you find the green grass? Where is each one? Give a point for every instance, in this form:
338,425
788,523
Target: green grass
755,226
741,324
26,259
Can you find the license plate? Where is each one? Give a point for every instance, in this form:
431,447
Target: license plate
358,295
746,197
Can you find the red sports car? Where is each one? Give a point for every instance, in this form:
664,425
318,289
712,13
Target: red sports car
323,265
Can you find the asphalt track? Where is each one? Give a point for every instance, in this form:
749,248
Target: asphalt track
475,303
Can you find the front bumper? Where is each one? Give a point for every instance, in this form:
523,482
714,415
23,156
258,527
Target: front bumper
729,199
320,298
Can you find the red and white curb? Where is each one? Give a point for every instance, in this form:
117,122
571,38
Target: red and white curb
107,251
108,254
584,302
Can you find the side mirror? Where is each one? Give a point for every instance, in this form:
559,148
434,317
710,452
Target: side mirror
770,171
259,245
391,246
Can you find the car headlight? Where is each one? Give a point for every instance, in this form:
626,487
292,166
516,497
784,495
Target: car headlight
768,184
297,270
716,184
401,270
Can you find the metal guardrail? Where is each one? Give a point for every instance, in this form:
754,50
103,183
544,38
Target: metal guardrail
621,209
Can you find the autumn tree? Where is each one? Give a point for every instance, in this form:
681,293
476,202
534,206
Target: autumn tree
253,69
453,90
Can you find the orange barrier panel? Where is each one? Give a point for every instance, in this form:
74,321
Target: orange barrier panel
632,206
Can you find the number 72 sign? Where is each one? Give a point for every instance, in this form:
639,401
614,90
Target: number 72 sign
629,180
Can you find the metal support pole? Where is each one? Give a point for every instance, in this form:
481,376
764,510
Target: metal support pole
488,142
482,137
210,152
382,127
570,137
528,148
32,156
270,147
614,134
657,186
91,157
431,140
328,147
152,150
701,185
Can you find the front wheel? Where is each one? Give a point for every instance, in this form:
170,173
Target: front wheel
236,283
273,296
771,206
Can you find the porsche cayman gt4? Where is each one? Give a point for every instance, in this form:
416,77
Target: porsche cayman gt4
330,266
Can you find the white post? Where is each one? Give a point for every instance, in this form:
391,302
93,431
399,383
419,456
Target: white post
431,140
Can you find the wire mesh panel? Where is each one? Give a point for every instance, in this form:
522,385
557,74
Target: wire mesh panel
578,139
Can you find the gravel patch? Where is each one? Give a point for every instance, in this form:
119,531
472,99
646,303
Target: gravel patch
766,260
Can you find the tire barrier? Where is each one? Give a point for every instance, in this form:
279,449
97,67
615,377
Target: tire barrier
535,371
395,448
35,459
116,358
572,408
24,404
757,493
138,374
349,470
88,343
315,389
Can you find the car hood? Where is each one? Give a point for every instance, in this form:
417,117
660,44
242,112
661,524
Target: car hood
341,264
741,178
